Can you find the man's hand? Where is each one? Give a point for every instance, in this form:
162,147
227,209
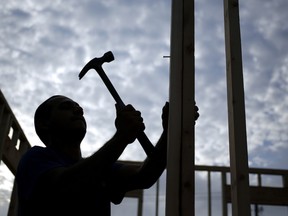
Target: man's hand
165,115
129,123
196,113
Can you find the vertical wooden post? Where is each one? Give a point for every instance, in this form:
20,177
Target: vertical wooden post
224,201
157,198
236,111
209,194
180,166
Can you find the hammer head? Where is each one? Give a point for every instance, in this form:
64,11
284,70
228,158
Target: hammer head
96,63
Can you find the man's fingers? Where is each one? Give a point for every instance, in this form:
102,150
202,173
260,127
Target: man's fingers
129,107
196,114
118,109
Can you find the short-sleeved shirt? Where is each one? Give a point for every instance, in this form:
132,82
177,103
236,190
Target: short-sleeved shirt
34,200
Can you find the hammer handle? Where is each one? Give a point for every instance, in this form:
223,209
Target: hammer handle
142,138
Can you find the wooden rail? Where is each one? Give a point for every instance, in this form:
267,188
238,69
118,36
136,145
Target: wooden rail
13,144
259,194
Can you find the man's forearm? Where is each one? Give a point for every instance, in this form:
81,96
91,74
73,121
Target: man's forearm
97,165
154,165
109,153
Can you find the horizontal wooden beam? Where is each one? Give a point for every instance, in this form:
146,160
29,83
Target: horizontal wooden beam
11,155
262,195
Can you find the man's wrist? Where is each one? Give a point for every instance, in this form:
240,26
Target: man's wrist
121,138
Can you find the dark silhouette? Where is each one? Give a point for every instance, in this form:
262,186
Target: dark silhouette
56,180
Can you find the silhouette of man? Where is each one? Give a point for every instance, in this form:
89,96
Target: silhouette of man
56,180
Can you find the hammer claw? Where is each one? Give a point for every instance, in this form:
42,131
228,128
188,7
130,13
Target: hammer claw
85,69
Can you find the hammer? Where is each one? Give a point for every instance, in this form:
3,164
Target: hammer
96,63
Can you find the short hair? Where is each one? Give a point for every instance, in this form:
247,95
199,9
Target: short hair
41,116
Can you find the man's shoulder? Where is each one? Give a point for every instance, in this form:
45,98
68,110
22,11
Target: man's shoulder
36,161
35,153
35,149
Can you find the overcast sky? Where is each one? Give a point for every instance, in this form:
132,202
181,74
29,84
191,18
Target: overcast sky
44,45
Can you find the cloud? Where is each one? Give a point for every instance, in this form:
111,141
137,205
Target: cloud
45,44
6,185
265,75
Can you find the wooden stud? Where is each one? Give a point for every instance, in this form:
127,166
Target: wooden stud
236,111
180,166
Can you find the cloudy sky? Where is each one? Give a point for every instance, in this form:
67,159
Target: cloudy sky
45,44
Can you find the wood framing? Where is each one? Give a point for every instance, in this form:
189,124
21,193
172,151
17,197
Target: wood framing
13,144
180,165
236,111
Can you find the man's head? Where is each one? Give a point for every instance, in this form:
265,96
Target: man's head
59,118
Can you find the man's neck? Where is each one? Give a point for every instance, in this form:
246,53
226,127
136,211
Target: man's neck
74,153
72,150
